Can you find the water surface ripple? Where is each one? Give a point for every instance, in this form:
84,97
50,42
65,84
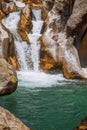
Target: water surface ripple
48,102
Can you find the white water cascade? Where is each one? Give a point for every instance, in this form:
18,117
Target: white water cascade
22,48
28,55
35,47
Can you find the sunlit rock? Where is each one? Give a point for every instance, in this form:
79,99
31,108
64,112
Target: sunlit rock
2,15
14,62
59,42
9,122
25,23
8,78
36,4
23,35
7,48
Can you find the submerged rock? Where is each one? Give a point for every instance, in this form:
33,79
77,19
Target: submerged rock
10,122
82,125
8,78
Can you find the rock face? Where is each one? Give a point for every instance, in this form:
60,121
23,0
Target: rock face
82,125
8,6
8,78
61,33
10,122
7,50
25,23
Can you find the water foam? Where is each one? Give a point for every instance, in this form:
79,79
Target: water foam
39,79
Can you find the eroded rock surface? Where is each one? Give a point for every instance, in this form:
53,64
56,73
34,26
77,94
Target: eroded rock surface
8,78
61,23
7,49
10,122
8,6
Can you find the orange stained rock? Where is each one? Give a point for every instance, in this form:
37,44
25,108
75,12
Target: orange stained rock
82,127
2,15
24,36
47,63
44,13
35,4
14,62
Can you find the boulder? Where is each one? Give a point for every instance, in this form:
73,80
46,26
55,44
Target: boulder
9,122
8,78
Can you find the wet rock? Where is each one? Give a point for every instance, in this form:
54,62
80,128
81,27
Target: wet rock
47,63
2,15
23,35
9,122
82,125
59,39
48,4
8,6
25,23
36,4
8,78
7,48
14,62
82,50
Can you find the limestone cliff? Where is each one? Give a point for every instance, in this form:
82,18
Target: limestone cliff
63,33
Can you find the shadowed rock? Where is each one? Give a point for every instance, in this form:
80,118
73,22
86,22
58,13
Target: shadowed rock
82,125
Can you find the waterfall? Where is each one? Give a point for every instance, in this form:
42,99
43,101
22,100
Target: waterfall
11,23
28,55
35,47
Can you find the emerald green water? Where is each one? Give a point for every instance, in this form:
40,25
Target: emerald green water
57,107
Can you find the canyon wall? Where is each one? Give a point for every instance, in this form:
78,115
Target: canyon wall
66,27
64,35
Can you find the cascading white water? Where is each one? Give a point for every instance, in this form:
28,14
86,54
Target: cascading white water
11,23
35,48
28,55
